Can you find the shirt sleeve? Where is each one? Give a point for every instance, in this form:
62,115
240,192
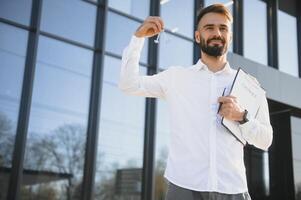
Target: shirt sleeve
131,82
258,131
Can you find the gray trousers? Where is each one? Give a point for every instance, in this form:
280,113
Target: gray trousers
178,193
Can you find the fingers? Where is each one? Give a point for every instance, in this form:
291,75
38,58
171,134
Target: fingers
157,20
227,99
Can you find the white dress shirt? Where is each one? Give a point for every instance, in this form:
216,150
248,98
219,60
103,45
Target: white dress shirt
203,155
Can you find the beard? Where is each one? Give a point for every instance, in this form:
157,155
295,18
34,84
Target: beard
216,50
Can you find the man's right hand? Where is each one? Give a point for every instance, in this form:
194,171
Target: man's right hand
151,26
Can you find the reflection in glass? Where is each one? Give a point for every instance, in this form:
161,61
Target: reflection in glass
287,43
170,14
121,135
73,20
174,51
162,139
255,31
55,146
296,140
119,32
229,5
137,8
18,11
13,43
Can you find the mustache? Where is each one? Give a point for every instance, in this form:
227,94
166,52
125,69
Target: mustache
216,38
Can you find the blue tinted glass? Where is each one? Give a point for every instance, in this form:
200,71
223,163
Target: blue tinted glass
287,43
18,11
255,31
58,120
137,8
170,14
13,43
119,32
121,137
174,51
74,20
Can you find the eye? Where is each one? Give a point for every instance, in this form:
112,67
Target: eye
223,29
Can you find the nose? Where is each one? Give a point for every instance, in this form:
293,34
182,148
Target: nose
217,32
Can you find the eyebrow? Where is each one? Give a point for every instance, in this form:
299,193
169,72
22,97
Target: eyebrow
210,25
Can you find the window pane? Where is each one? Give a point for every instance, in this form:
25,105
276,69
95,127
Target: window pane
74,20
119,32
18,11
229,5
255,31
137,8
170,15
13,43
162,139
174,51
287,43
121,136
296,140
55,149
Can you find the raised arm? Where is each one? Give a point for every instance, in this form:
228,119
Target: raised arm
131,82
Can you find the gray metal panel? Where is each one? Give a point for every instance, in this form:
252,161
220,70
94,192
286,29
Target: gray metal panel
280,86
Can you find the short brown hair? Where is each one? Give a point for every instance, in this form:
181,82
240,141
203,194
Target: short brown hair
214,8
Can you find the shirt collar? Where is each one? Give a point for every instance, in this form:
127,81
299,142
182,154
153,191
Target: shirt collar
201,66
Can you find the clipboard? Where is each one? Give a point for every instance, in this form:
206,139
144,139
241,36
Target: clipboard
249,94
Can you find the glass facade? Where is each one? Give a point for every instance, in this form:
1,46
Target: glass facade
58,121
255,31
55,146
287,43
182,25
58,17
13,43
121,136
8,10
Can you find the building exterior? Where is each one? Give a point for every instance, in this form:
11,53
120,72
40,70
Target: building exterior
67,132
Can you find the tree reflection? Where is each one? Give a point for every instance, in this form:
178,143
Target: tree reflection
60,151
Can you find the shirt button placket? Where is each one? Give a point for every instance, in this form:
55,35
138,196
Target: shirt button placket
212,157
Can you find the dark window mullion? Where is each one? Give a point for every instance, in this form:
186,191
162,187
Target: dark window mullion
298,11
238,27
272,7
25,103
150,119
198,4
95,104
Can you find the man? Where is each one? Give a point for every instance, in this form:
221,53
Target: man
205,161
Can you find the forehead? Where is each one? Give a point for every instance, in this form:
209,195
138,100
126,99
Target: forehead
215,19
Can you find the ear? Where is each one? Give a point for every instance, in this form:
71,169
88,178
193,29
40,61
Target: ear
197,36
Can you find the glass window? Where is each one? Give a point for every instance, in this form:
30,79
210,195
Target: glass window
161,153
137,8
255,31
55,149
13,44
119,32
296,141
174,51
229,4
170,14
18,11
74,20
287,43
121,137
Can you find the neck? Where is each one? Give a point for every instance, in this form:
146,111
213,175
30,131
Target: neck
214,64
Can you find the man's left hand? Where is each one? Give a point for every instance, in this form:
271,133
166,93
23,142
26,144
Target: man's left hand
230,108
